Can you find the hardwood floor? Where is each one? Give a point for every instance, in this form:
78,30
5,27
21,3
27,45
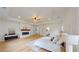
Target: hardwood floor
19,45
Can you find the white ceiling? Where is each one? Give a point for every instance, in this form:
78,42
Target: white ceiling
26,13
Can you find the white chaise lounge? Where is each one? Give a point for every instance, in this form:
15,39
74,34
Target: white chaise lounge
45,43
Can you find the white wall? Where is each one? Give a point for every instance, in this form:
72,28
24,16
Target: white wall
77,21
6,25
2,30
71,21
52,26
29,26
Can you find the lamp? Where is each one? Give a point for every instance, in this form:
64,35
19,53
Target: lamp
47,29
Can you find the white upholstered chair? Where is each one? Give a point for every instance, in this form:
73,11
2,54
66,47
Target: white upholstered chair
71,40
45,43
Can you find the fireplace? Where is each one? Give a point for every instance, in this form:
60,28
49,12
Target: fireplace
25,33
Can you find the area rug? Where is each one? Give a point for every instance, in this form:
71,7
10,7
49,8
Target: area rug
33,46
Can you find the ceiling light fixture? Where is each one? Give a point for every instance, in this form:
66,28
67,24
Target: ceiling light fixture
35,18
19,17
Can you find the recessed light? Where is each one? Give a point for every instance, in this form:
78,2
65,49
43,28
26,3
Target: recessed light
19,16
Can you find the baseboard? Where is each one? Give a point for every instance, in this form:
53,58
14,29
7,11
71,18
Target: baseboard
1,40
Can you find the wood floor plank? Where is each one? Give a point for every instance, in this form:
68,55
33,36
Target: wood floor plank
19,45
